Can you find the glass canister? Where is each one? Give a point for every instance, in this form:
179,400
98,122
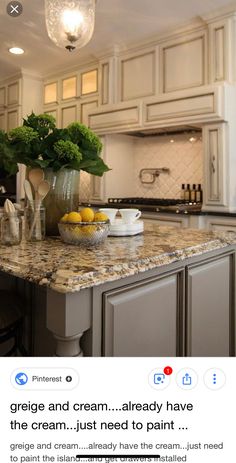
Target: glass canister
11,228
34,217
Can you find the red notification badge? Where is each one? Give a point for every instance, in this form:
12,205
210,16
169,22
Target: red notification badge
168,371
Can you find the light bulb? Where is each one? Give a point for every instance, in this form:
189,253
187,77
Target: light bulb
16,51
72,21
70,24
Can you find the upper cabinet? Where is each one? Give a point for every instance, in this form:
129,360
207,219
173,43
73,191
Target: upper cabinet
138,75
89,82
51,93
172,77
2,97
183,62
70,97
10,104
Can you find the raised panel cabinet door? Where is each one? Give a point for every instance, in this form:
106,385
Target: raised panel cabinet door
184,63
13,94
12,119
215,143
143,319
2,97
138,76
210,309
68,115
2,121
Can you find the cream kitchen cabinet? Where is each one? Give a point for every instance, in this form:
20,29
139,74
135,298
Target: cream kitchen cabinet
183,62
172,220
10,104
220,223
215,165
70,97
143,65
3,99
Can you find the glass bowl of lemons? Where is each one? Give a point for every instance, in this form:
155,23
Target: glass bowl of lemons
85,227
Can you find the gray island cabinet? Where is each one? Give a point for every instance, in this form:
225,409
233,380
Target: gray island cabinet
167,292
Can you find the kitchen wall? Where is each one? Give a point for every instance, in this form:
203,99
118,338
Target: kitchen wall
183,158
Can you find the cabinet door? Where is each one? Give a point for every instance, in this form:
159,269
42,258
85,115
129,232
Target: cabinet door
51,93
143,68
219,223
2,121
179,222
210,309
143,319
13,93
12,119
2,97
68,115
215,185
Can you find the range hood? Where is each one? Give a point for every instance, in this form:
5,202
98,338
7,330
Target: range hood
184,129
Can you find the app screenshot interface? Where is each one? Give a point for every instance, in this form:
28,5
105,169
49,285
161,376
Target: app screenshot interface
117,410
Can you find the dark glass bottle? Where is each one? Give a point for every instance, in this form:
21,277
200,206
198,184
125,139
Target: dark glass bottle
182,192
193,194
187,193
199,193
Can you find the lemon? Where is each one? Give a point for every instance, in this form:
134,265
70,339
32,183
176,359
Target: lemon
100,217
74,217
64,218
87,214
88,230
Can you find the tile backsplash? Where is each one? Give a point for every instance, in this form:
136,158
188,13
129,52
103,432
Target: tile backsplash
85,186
183,158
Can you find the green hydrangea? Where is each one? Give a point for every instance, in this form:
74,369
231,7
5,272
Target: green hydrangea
79,133
67,151
42,120
23,134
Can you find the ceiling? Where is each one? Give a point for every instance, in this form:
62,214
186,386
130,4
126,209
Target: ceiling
118,23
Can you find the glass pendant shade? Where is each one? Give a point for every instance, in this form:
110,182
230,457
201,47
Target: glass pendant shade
70,24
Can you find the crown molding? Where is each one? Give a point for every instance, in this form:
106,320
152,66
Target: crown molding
58,71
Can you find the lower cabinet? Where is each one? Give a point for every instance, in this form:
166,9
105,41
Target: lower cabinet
144,319
171,220
189,312
210,309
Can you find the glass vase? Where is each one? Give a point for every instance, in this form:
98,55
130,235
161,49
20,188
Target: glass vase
34,216
63,196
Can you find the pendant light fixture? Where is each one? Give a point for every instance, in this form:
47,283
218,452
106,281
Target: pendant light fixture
70,24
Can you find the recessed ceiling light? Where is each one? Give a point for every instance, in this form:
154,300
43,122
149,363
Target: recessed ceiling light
16,50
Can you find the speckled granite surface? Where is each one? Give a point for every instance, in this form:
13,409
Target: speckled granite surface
67,268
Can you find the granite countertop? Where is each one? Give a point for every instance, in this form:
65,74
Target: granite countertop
67,268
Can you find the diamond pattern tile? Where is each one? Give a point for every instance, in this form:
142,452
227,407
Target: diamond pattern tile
184,159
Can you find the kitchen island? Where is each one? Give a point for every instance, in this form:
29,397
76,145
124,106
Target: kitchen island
166,292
